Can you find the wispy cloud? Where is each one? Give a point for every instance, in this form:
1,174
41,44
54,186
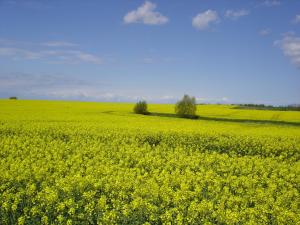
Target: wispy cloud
203,20
290,46
145,14
212,100
29,85
148,60
271,3
59,44
52,52
47,86
17,53
235,14
30,4
29,81
79,56
265,32
66,87
158,59
297,19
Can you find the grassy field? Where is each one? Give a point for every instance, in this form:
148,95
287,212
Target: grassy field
98,163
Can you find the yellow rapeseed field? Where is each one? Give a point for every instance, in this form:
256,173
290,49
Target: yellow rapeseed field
99,163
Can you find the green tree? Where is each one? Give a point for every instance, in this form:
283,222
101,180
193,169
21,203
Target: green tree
141,107
186,107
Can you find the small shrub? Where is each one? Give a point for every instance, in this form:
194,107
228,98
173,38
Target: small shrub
13,98
186,107
141,107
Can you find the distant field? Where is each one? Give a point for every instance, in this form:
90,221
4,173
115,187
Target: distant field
98,163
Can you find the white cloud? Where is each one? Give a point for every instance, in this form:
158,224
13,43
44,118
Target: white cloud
290,46
30,4
89,58
203,20
157,59
71,57
17,53
297,19
235,14
28,81
270,3
225,99
59,44
148,60
212,100
27,85
50,56
265,32
58,86
145,14
47,86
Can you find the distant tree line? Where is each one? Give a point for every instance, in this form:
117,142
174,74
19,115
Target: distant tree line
294,107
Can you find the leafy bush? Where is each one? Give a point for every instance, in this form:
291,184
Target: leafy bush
13,98
141,108
186,107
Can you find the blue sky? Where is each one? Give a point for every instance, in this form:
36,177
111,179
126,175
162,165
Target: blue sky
124,50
